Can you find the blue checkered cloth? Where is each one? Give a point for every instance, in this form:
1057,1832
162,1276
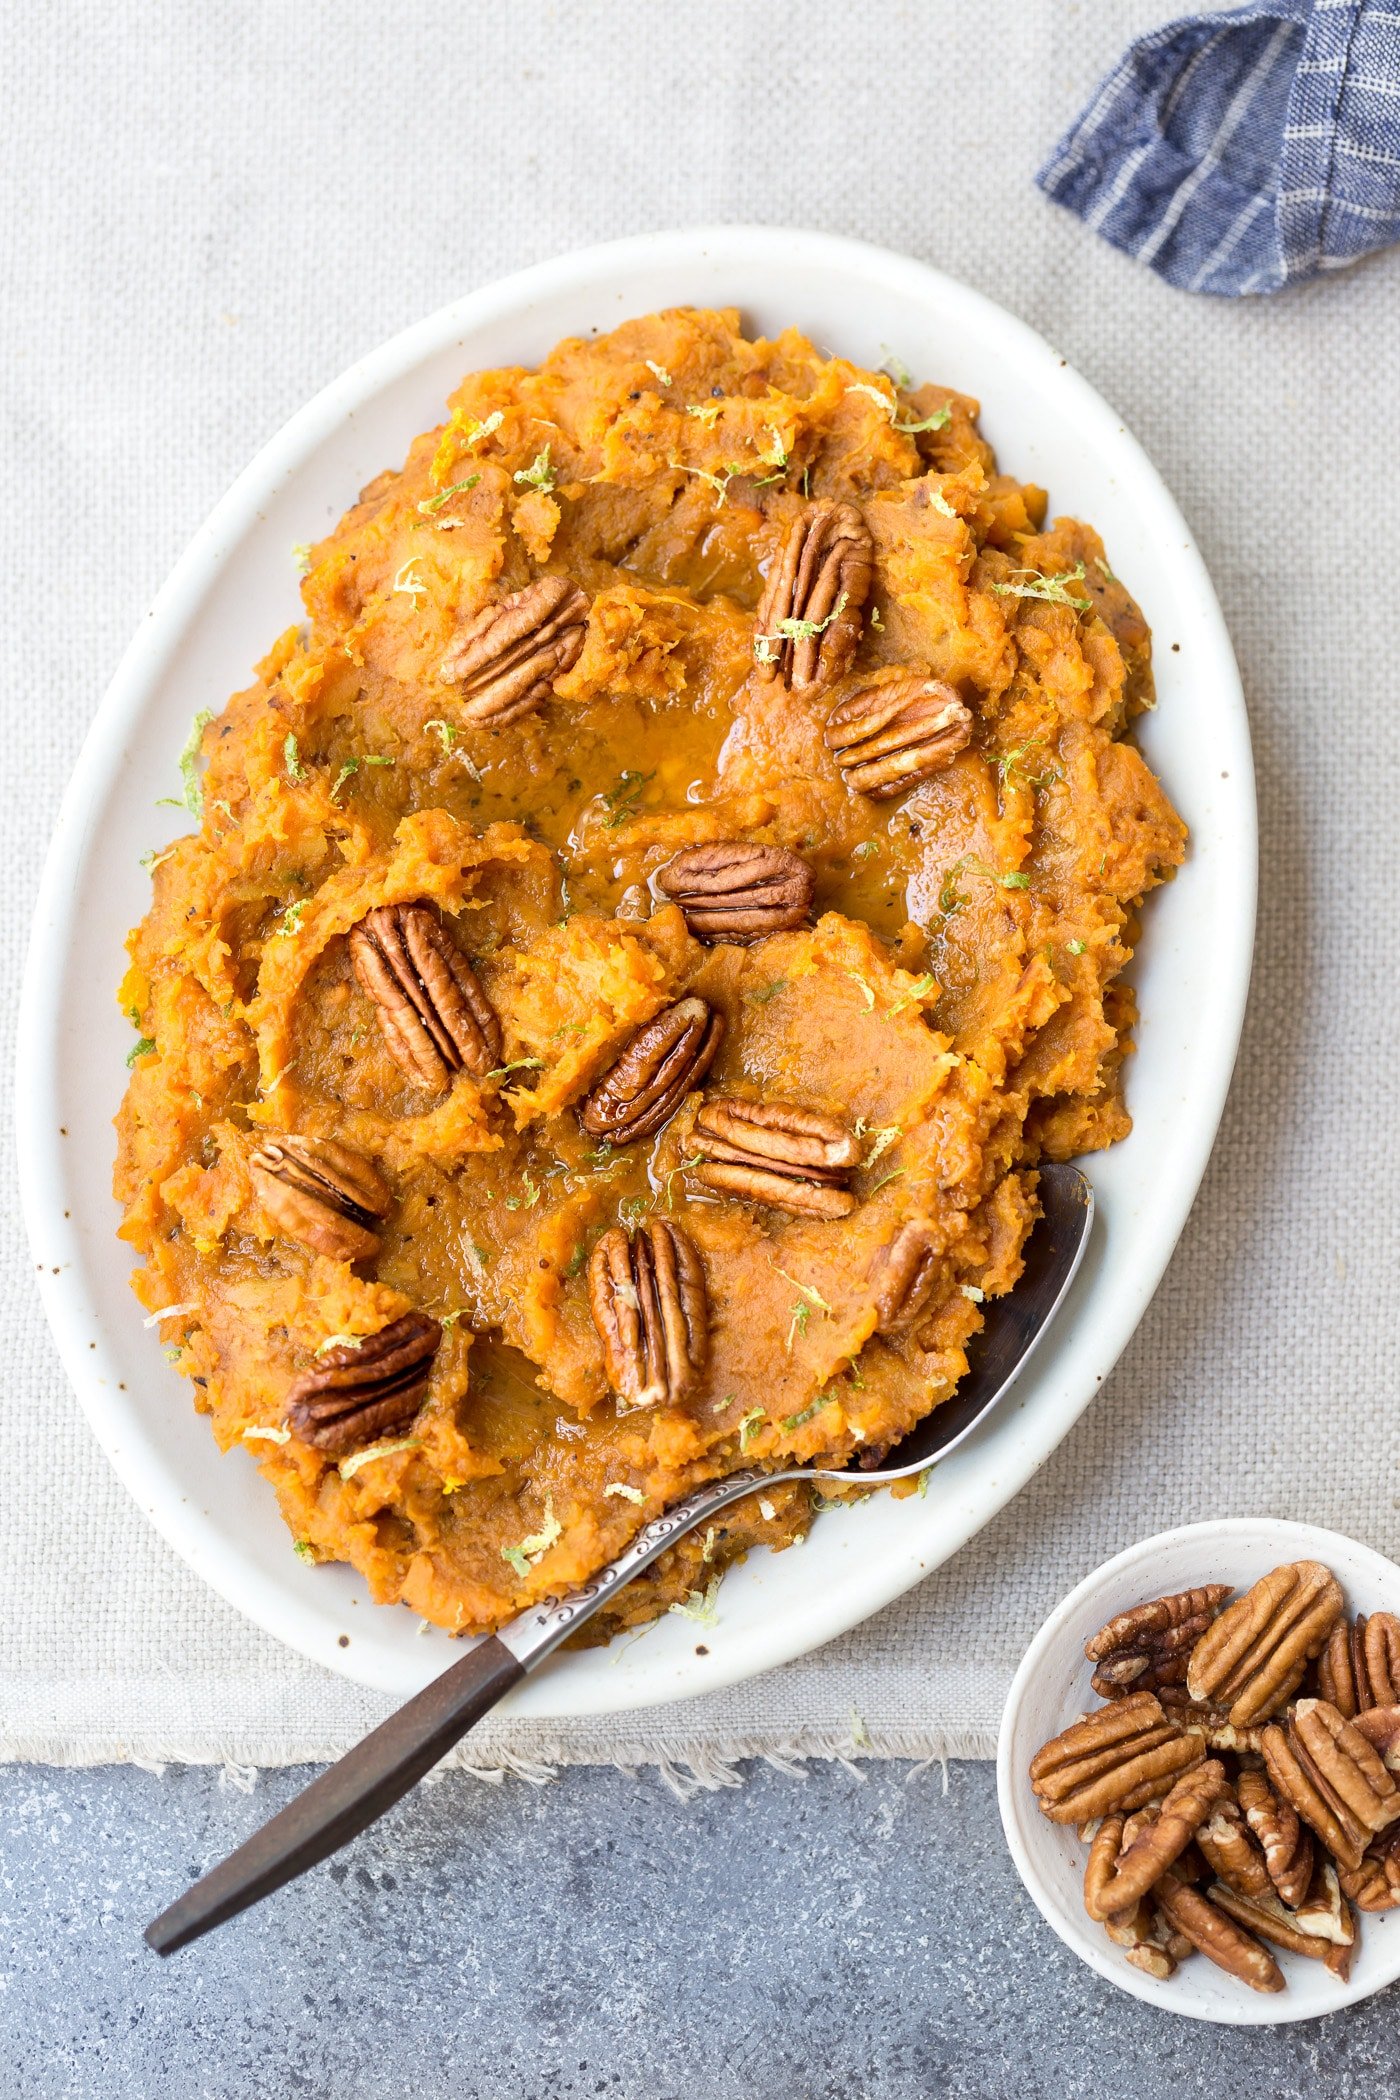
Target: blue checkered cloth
1244,151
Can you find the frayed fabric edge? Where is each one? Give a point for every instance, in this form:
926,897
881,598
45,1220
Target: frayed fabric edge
684,1768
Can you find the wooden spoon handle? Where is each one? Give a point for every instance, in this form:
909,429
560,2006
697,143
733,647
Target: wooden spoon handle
347,1798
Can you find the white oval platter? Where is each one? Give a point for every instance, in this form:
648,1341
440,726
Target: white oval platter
232,592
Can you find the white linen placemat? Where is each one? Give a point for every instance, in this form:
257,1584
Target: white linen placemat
210,212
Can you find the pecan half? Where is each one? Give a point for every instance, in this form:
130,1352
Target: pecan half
1211,1723
650,1307
507,657
321,1193
1374,1884
1150,1646
665,1059
808,620
1285,1841
1162,1949
1149,1942
359,1392
1152,1958
1266,1917
905,1276
1214,1933
1190,1866
1123,1882
1253,1656
433,1014
1329,1772
887,738
1339,1959
1105,1845
1324,1913
775,1152
1346,1762
1381,1727
732,891
1117,1758
1232,1853
1360,1666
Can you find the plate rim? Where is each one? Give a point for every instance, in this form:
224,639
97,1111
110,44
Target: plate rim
599,268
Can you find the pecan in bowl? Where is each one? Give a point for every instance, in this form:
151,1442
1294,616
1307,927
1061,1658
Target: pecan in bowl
1263,1855
1360,1666
1252,1657
1150,1646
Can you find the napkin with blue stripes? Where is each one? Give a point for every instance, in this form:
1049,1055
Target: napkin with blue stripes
1244,151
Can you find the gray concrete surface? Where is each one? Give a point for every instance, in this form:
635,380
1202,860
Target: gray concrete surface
787,1940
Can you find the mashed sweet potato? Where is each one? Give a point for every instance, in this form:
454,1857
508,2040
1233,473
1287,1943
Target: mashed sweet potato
952,998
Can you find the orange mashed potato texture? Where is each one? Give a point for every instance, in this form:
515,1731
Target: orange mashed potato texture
955,998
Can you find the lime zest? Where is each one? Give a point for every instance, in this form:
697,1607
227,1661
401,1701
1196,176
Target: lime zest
532,1549
349,1467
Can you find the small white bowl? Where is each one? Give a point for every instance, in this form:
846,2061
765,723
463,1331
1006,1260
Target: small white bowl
1051,1689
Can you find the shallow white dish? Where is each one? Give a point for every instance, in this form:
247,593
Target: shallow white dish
1051,1689
236,587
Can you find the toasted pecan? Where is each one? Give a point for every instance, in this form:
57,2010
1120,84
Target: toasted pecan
1141,1864
1330,1774
1266,1918
1286,1842
905,1274
1252,1657
1360,1666
649,1303
730,890
324,1194
1232,1851
366,1389
1373,1884
889,736
1214,1933
647,1082
808,619
505,660
1150,1645
779,1153
1351,1770
434,1017
1117,1758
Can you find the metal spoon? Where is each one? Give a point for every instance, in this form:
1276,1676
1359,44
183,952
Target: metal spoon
355,1792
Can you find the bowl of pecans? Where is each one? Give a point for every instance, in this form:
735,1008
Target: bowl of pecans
1199,1771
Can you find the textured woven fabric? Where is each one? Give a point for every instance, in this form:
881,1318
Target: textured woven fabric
278,190
1242,152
